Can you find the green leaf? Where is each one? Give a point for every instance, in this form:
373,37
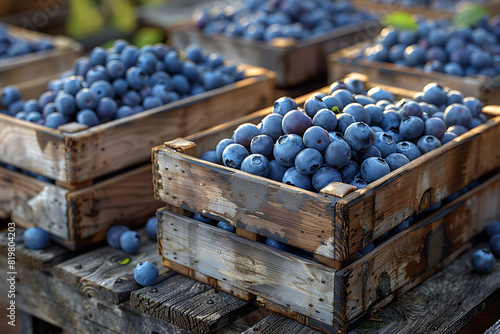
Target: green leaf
126,261
336,110
468,15
401,21
148,35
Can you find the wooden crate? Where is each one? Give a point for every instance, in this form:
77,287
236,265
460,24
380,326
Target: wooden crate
39,64
78,218
345,61
295,62
75,157
492,6
333,226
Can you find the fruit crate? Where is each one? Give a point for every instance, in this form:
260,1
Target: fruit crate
336,290
383,8
99,172
39,64
345,61
295,62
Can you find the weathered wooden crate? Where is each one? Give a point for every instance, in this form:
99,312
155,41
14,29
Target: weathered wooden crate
76,156
295,62
335,291
39,64
345,61
379,7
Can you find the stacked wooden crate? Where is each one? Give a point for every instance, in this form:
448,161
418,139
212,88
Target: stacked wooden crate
336,290
102,175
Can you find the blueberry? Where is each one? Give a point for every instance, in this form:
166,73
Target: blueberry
55,119
87,117
73,85
96,73
136,77
116,69
262,144
151,102
36,238
130,241
435,94
359,136
212,80
106,109
317,137
102,89
286,148
376,113
396,160
333,103
9,95
474,104
312,105
46,98
295,178
296,122
457,114
408,149
308,161
210,156
33,116
410,108
256,164
493,228
358,112
65,104
457,129
343,121
325,119
233,155
448,136
120,86
226,227
278,245
124,111
276,170
151,228
385,144
180,84
355,85
324,176
435,127
361,156
113,235
390,120
359,182
220,148
244,134
495,245
379,94
85,99
411,127
194,52
98,56
414,55
338,154
146,273
483,261
345,96
374,168
202,219
349,172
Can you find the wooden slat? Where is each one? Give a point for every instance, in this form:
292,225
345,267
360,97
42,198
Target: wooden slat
278,324
125,199
99,274
283,278
190,304
294,63
494,329
31,202
383,204
422,249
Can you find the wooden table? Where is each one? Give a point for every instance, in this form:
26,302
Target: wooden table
90,291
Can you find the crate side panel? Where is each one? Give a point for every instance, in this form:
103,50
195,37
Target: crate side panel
284,278
421,249
101,150
31,202
287,214
124,199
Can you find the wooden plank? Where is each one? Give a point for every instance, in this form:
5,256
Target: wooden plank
421,249
32,202
278,324
383,204
294,62
442,304
281,277
190,304
42,260
256,204
494,329
125,199
62,305
99,274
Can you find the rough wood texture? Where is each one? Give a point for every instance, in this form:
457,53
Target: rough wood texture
494,329
99,274
78,218
286,279
113,146
277,324
190,304
43,63
294,62
345,61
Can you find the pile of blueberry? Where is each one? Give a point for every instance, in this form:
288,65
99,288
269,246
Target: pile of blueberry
122,237
483,260
122,81
449,5
438,46
13,46
264,20
349,135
